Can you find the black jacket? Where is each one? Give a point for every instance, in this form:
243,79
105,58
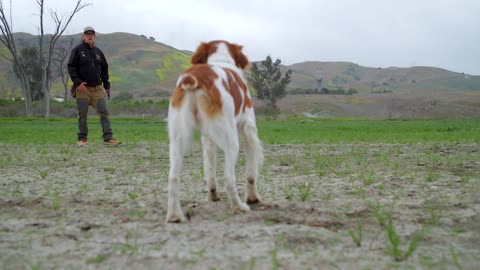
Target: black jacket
88,65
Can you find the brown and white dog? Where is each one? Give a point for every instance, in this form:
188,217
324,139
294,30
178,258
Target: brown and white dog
212,96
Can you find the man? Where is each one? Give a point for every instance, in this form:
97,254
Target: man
88,69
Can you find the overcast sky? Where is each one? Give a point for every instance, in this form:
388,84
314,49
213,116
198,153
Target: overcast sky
373,33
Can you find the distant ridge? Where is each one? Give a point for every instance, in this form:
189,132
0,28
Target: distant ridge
149,68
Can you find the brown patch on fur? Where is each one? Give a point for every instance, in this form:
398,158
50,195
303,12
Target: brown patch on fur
211,103
206,49
177,97
236,85
188,81
235,50
203,52
233,88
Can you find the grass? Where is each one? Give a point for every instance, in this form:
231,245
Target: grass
298,130
294,130
357,235
393,240
393,243
305,191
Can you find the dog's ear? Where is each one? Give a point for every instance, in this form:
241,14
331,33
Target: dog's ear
201,54
241,60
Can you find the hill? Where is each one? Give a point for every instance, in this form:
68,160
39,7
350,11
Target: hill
149,69
349,75
137,64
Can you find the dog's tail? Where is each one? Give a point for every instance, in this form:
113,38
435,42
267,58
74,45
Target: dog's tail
188,82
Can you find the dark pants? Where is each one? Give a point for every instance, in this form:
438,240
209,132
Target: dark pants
92,96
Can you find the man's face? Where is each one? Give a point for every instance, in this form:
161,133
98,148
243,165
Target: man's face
89,37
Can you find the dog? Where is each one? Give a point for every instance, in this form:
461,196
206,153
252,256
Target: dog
212,96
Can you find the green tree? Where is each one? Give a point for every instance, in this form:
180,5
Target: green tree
30,63
267,80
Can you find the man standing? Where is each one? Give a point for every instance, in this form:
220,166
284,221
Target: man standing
88,69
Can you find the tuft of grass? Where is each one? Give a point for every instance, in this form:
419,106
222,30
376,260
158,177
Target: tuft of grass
368,179
97,259
43,174
456,261
132,196
434,214
130,247
305,191
289,193
327,196
431,176
56,200
393,241
253,261
464,179
357,235
275,261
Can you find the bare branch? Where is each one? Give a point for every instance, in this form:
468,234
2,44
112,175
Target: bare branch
7,38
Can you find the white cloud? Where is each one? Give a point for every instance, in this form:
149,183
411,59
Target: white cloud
377,33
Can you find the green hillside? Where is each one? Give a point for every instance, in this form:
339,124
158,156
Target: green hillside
147,68
137,64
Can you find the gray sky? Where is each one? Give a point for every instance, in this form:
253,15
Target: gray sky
373,33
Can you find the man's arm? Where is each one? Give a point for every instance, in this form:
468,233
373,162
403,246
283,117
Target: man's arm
72,68
104,74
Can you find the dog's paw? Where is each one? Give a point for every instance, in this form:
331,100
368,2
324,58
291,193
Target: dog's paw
176,218
213,196
253,201
241,207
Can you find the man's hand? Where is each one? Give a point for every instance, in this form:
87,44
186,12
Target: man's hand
81,86
108,92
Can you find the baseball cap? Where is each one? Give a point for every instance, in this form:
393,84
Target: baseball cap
88,29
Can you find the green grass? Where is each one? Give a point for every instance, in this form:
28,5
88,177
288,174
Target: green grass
64,130
294,130
297,130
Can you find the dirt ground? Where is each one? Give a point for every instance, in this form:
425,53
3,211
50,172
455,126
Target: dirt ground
324,207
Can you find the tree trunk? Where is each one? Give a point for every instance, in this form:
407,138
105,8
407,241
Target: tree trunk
46,92
65,85
26,95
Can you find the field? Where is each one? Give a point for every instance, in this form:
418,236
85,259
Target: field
337,194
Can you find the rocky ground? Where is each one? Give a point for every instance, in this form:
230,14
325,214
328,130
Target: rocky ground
332,206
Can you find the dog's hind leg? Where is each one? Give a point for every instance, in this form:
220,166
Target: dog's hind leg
180,136
174,210
224,134
254,159
210,167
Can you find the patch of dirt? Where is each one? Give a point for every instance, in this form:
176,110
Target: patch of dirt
95,207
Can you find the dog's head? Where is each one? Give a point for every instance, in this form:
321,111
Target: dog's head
220,52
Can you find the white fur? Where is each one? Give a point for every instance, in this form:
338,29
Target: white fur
222,132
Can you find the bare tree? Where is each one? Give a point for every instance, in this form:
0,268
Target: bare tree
7,39
61,54
61,24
